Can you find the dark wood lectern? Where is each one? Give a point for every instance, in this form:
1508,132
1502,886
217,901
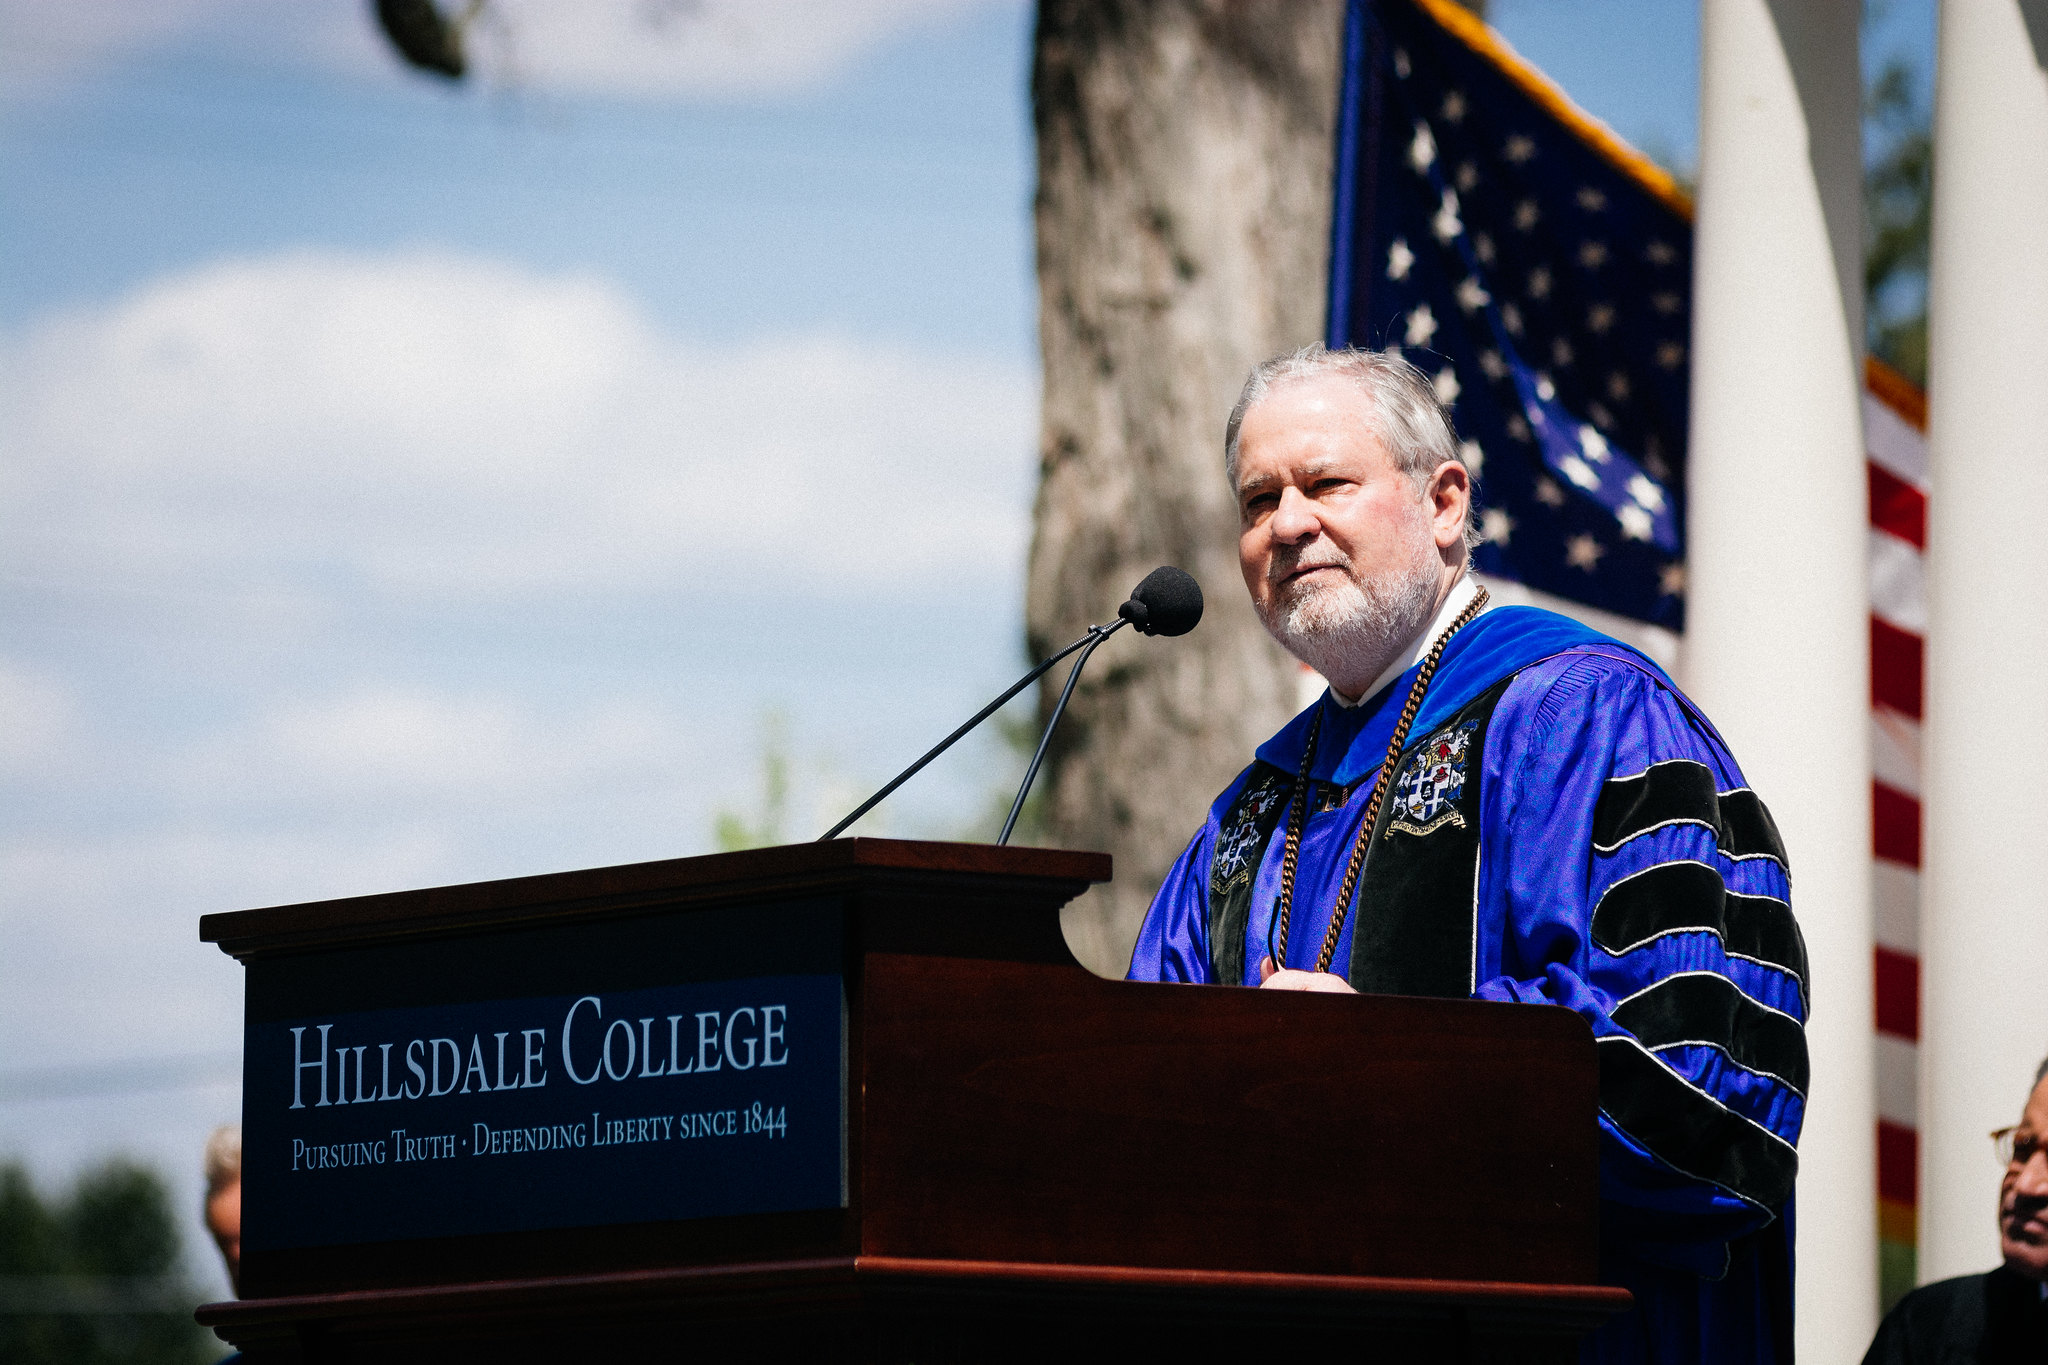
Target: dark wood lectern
856,1101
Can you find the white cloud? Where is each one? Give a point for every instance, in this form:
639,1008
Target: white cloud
35,718
264,491
652,49
377,742
636,49
434,426
275,535
44,46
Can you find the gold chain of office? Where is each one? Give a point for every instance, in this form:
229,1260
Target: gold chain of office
1298,800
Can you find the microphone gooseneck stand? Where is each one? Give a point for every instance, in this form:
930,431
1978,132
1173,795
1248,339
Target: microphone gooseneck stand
1095,636
1167,602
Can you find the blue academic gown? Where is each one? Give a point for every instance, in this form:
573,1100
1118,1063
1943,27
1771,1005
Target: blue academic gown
1595,771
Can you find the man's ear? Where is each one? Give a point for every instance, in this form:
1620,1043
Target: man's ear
1450,503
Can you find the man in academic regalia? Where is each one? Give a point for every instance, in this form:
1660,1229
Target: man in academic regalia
2000,1317
1506,805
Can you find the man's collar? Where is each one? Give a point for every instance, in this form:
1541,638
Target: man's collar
1462,592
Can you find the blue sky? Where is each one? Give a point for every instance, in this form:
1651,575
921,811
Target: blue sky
886,197
403,484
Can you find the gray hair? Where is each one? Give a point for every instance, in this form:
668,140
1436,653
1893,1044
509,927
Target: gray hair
223,1158
1406,417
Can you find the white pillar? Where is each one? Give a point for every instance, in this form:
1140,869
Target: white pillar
1984,886
1777,643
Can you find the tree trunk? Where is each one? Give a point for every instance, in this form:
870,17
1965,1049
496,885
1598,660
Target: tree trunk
1182,219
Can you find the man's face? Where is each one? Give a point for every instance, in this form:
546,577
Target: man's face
1343,555
2023,1197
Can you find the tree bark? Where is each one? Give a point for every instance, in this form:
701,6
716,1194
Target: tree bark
1182,219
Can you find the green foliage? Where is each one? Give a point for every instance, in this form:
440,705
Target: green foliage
733,831
93,1278
119,1223
1898,203
1897,1266
29,1237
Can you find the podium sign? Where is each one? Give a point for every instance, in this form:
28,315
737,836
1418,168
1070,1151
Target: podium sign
647,1070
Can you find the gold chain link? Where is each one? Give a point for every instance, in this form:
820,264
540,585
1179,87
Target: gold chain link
1297,801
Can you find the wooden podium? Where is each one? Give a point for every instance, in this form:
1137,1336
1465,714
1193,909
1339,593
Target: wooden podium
856,1101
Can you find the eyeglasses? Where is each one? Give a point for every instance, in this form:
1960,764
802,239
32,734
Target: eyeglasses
2015,1149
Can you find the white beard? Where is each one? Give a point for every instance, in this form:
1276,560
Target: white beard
1351,627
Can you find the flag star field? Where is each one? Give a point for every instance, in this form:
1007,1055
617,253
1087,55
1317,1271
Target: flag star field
1542,287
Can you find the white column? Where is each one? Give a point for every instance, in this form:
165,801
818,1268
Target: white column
1984,886
1777,643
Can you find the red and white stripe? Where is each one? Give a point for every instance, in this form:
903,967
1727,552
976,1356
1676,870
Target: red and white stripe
1894,420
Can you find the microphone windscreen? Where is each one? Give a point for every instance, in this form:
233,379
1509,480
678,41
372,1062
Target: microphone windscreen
1171,602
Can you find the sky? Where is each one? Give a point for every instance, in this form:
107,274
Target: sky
404,483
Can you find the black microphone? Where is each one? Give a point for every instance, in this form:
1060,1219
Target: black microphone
1167,602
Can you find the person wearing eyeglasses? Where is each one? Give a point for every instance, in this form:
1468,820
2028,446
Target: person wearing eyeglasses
2000,1316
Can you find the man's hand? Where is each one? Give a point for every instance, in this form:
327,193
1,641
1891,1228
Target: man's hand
1272,978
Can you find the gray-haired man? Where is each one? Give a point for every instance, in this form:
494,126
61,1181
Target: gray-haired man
2000,1316
1506,805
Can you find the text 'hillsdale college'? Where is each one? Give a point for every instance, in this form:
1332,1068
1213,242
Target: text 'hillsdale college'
591,1050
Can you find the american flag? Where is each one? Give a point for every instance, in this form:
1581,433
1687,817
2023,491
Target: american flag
1546,286
1894,436
1541,270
